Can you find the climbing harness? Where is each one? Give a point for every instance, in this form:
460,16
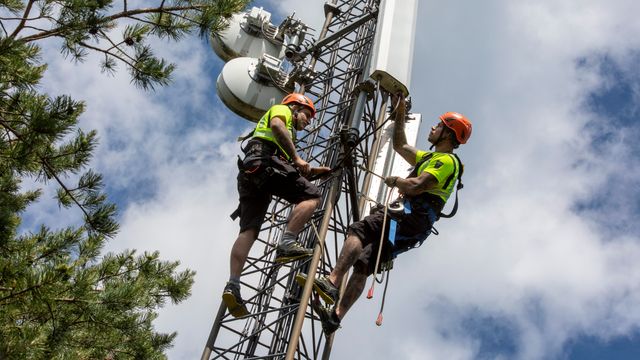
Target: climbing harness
262,162
437,203
403,206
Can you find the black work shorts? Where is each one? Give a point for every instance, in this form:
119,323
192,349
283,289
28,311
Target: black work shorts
257,185
411,229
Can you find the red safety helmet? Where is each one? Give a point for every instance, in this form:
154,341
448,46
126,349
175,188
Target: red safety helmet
460,125
295,98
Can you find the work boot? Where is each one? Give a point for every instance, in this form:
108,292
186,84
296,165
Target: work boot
328,317
322,286
231,297
291,251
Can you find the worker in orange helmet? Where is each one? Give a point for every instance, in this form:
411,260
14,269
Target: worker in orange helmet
272,167
423,193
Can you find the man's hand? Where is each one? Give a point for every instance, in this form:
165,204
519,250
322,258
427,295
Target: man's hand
398,105
319,171
391,181
301,165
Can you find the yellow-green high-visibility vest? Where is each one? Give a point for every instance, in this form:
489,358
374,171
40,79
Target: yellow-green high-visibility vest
444,167
263,129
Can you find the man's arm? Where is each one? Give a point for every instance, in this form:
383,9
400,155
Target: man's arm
400,145
280,132
413,186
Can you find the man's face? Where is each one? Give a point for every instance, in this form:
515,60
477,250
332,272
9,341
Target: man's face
435,133
303,118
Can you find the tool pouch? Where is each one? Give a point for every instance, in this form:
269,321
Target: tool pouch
283,168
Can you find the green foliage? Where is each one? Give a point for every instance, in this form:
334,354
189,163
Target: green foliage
60,297
148,69
58,302
90,26
22,59
13,6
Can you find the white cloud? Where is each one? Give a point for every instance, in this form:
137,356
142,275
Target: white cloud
188,221
516,251
512,68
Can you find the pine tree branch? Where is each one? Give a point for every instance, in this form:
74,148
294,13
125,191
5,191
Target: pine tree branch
118,274
153,10
114,45
5,31
160,17
109,53
178,15
53,319
10,133
33,28
25,16
75,301
20,292
123,14
51,171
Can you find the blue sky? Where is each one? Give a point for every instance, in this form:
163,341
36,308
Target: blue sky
541,260
616,101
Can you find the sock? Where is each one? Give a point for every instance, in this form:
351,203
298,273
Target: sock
234,280
288,238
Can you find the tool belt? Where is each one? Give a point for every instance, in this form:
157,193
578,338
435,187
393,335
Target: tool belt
407,220
421,204
262,160
262,163
425,201
259,170
259,149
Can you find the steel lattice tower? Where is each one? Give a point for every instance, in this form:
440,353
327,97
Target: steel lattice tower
351,110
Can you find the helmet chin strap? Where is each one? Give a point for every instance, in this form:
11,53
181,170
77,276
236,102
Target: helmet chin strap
433,145
296,117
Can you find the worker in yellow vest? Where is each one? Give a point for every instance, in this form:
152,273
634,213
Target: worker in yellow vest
423,195
272,167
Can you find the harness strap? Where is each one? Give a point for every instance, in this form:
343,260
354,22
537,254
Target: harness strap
458,187
245,136
393,223
449,179
407,207
234,215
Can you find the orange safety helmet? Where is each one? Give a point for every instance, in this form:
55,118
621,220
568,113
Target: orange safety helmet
460,125
295,98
